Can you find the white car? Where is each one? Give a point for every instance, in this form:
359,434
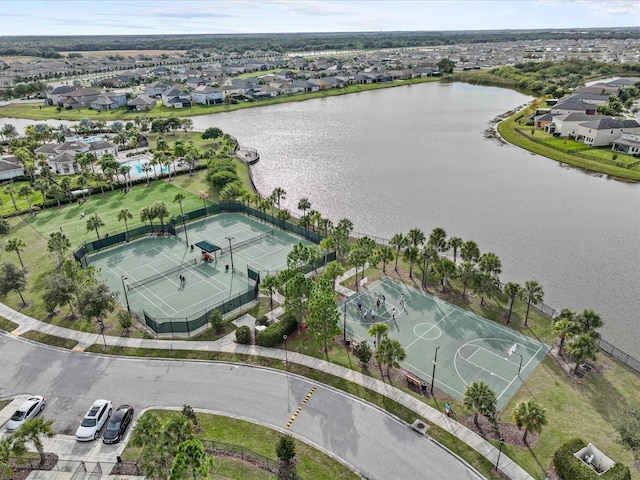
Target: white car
94,420
29,409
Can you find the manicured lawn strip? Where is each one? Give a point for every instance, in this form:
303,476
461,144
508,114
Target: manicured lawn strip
7,325
50,339
33,111
312,464
507,130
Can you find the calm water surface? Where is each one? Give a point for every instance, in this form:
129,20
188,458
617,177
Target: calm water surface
415,157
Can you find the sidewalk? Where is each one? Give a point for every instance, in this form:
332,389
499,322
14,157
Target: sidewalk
228,345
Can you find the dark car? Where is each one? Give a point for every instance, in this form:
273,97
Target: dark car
118,424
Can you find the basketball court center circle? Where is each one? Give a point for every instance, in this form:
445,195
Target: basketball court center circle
427,331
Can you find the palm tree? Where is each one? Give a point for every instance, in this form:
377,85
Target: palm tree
94,223
531,293
278,195
125,214
379,331
438,238
469,251
385,255
589,321
411,254
11,191
15,244
479,397
33,431
59,244
389,353
490,263
483,284
146,213
415,237
454,244
269,286
582,347
446,268
26,191
530,415
204,195
466,273
146,168
512,290
565,326
179,197
160,210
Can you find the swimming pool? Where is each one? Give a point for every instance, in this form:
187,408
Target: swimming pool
137,172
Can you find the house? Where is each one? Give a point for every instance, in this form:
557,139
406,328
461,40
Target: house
570,105
62,157
565,125
55,96
155,89
108,102
628,143
142,103
175,97
603,131
205,95
10,167
78,98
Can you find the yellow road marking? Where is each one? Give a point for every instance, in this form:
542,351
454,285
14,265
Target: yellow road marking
299,409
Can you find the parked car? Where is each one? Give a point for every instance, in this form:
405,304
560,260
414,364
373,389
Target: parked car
29,409
118,424
94,420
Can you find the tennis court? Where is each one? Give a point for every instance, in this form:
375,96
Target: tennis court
469,348
147,272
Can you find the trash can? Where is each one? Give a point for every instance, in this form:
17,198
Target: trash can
347,341
226,267
423,386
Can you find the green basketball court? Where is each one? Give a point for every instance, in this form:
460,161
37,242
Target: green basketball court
469,348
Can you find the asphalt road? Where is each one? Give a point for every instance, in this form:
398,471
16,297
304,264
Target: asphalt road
372,442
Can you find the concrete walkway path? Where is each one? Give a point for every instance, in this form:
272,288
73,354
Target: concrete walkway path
228,345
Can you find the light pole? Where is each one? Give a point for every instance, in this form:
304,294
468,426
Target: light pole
230,250
499,452
520,366
344,323
433,375
286,359
126,297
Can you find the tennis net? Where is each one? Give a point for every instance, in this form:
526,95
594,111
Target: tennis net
248,242
164,274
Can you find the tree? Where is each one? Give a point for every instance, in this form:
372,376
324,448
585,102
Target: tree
446,65
385,255
211,133
511,289
304,204
582,347
378,331
125,214
4,227
216,319
415,237
438,238
469,251
191,461
15,244
160,210
389,353
124,320
565,326
530,415
59,244
59,290
628,427
9,447
278,195
146,213
531,293
96,300
204,195
12,279
490,263
363,352
483,284
243,335
26,191
466,273
94,223
479,397
33,430
269,286
11,191
588,321
445,268
411,254
323,312
286,453
454,244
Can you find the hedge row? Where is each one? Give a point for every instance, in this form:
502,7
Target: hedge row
571,468
272,335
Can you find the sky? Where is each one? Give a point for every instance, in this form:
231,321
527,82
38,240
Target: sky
157,17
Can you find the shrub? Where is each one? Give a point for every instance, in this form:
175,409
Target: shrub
570,467
216,320
243,335
263,320
272,335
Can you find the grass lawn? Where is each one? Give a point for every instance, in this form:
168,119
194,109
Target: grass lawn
507,130
50,339
312,464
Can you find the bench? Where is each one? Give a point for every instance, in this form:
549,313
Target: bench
413,381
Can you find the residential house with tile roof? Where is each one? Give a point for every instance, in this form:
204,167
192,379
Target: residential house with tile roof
604,131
